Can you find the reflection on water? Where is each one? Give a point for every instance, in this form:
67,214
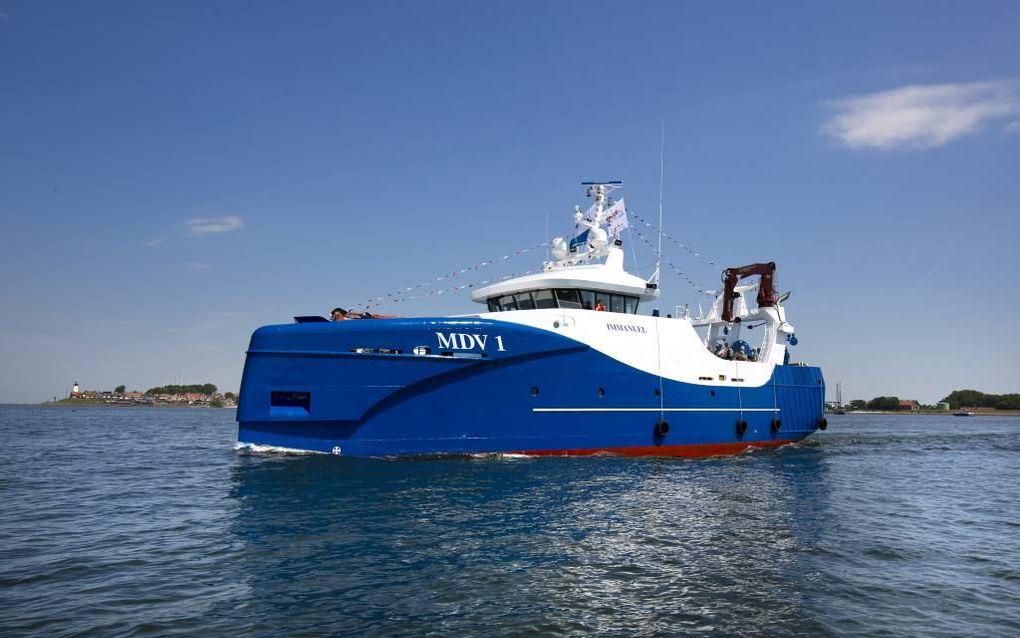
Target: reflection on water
135,522
534,545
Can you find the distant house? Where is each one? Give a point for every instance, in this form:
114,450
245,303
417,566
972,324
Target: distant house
910,404
134,395
193,397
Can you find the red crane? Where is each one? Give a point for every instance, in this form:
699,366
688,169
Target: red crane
766,287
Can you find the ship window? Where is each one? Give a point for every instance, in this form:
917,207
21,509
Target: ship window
493,305
615,303
290,404
630,305
544,299
524,301
506,302
568,298
290,399
587,299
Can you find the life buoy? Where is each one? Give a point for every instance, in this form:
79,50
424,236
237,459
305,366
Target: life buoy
661,428
741,427
777,425
823,423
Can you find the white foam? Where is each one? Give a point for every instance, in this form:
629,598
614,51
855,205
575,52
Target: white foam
254,448
500,456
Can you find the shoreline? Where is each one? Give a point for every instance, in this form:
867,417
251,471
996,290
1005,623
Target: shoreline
924,413
85,403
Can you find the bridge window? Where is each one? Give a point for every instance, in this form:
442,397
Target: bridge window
563,298
615,303
568,298
524,301
544,299
587,299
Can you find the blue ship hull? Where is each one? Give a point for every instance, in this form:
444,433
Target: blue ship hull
357,388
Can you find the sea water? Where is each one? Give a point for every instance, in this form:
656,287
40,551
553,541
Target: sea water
147,522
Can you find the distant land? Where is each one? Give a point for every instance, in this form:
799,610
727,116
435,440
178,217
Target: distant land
204,395
972,402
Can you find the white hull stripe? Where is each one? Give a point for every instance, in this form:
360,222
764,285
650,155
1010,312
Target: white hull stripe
654,410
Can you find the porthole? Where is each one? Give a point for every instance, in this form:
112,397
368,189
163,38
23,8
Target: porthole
711,393
534,390
657,392
601,392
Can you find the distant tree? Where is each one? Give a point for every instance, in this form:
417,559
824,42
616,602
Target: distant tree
969,398
858,404
884,403
206,388
1009,402
216,403
119,389
974,399
229,395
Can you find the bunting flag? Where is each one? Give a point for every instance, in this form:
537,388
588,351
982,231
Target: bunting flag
402,294
392,298
674,267
616,218
674,240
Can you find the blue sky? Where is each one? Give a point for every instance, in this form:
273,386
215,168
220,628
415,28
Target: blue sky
173,175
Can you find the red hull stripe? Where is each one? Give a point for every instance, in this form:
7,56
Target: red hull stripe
686,451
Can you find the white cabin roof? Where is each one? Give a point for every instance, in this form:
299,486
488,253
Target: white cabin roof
606,277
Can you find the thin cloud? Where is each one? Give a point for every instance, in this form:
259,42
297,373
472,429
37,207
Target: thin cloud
155,241
1013,127
194,265
920,116
199,226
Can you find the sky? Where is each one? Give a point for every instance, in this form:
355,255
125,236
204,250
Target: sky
174,175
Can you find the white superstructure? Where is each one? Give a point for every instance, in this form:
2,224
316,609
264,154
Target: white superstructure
588,272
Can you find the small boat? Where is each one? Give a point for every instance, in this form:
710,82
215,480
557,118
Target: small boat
560,362
963,413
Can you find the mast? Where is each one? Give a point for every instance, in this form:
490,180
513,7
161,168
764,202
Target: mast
599,190
658,252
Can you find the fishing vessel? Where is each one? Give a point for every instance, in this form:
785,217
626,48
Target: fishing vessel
565,361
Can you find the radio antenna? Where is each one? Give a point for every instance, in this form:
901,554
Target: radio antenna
662,154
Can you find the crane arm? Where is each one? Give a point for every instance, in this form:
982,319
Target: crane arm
766,287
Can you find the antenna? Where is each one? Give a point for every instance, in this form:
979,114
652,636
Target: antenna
662,154
545,238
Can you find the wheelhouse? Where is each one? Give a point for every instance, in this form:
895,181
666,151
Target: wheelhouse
575,298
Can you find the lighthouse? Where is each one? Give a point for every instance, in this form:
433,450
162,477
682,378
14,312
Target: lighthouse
75,390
